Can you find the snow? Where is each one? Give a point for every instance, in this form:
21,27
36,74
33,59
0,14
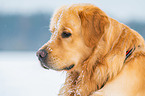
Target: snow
22,75
58,22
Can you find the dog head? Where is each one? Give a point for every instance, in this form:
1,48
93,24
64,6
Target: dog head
76,30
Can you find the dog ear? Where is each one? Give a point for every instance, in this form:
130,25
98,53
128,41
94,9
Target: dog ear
94,21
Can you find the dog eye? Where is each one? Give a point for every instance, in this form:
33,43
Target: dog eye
65,34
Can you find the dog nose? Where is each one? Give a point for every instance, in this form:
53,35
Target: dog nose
41,54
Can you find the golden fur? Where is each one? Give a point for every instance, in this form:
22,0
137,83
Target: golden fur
97,48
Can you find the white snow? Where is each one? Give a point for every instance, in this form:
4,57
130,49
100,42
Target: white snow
22,75
58,22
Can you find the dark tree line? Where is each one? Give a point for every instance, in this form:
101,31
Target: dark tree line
19,32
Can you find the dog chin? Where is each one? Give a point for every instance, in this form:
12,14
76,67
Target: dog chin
69,67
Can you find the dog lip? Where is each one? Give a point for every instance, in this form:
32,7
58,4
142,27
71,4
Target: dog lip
44,66
70,67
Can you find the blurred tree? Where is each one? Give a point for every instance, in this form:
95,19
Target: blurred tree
24,32
19,32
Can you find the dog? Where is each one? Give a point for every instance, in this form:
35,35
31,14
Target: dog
101,56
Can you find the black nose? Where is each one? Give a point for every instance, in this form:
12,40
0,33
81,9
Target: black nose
41,54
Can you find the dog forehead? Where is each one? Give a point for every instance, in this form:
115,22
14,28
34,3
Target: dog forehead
65,19
69,13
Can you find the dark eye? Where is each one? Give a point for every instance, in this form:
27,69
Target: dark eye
65,34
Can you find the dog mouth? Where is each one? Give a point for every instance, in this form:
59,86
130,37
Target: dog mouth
66,68
69,68
44,66
49,67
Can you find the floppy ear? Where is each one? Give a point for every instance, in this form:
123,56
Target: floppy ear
94,21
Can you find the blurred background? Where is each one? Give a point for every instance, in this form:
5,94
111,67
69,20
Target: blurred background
24,28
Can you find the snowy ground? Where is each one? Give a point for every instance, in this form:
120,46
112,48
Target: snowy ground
22,75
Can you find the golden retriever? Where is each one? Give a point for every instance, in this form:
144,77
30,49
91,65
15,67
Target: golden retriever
101,56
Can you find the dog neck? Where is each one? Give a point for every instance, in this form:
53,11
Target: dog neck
128,53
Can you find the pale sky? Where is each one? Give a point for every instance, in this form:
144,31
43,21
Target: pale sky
122,9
